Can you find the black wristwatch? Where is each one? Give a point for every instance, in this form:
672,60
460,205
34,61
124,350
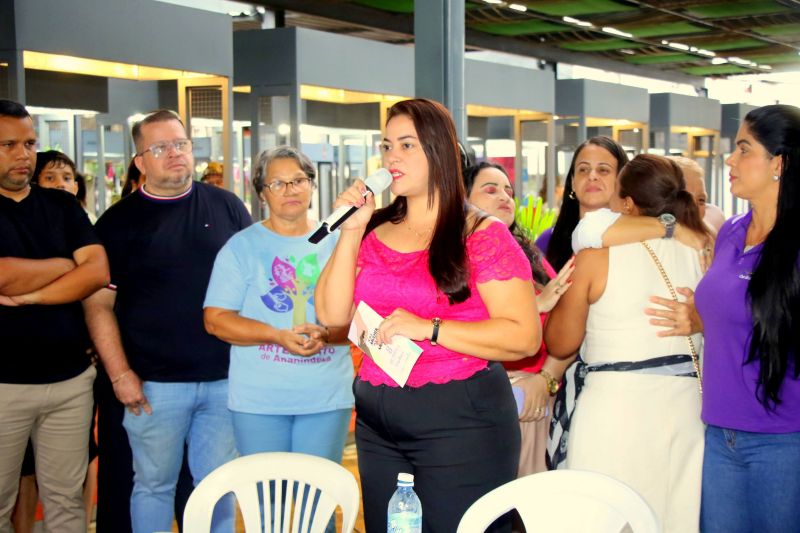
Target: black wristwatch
435,335
669,221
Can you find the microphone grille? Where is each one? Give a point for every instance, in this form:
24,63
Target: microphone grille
379,181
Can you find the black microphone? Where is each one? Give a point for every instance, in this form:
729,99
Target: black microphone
376,183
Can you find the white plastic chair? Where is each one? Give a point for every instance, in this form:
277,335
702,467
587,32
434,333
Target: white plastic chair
564,501
292,481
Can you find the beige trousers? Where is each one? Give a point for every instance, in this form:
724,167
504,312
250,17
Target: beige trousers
56,417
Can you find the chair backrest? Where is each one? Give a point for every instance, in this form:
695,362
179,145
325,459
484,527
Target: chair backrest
564,500
300,493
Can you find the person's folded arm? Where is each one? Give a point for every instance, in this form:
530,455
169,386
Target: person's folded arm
89,275
20,276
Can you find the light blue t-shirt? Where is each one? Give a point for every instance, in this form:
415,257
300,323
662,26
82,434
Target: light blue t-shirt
271,278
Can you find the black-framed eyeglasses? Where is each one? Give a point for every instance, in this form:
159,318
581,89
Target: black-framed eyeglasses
298,184
182,146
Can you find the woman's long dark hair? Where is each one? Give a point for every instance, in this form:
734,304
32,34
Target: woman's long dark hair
447,254
657,186
132,179
774,288
559,250
532,252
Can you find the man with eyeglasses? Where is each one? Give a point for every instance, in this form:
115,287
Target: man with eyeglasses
170,375
50,259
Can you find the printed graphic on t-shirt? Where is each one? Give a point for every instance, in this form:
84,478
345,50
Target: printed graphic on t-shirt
279,354
292,286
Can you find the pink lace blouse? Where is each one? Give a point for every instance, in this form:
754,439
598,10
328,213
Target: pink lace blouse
389,279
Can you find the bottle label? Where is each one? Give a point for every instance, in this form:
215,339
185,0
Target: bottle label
405,523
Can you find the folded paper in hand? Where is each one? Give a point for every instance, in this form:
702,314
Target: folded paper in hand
396,358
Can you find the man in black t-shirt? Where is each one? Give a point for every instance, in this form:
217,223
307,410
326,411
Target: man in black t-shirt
170,374
50,259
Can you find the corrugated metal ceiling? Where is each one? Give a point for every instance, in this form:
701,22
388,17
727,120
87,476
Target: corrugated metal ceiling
695,38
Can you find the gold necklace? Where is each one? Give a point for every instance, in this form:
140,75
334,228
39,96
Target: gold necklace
421,234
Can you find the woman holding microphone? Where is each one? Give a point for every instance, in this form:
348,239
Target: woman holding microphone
458,285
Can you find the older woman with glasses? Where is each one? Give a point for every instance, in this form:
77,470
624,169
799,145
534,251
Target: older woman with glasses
290,378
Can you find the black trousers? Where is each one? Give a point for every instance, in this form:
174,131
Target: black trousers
460,440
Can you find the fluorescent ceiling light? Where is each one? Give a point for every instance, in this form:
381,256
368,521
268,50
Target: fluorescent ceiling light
578,22
765,67
705,52
627,51
494,2
719,61
615,31
740,61
679,46
518,7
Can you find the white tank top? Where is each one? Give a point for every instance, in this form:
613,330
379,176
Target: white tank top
617,328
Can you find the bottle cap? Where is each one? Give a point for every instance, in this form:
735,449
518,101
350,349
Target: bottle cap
405,478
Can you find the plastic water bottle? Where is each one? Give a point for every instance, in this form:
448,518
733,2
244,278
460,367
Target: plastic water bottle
405,510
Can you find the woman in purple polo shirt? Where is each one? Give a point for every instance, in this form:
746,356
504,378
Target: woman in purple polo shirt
748,306
749,303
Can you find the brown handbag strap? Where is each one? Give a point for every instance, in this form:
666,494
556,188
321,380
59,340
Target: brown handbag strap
692,349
